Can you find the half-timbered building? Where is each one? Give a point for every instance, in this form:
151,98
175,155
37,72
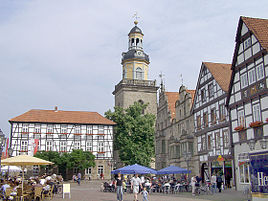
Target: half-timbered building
211,121
63,131
248,95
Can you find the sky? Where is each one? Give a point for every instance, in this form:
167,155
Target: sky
67,53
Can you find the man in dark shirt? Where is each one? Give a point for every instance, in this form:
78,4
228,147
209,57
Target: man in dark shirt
119,187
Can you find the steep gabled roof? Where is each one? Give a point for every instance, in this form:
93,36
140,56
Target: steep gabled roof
259,27
192,92
221,73
172,97
60,116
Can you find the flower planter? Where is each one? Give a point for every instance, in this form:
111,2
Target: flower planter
239,128
256,124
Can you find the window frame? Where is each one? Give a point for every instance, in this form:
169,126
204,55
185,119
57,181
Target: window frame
252,76
258,111
259,68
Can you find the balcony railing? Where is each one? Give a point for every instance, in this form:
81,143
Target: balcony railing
150,83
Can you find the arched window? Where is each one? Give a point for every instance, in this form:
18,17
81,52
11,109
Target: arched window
137,42
139,74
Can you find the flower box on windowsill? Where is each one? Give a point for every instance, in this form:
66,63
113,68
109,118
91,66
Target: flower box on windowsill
49,133
256,124
89,133
77,133
23,151
239,128
24,133
100,134
36,133
101,152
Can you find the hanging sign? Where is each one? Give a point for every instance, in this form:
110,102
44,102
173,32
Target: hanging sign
220,158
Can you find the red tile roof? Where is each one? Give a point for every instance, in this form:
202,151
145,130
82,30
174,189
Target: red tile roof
221,73
172,97
60,116
259,28
192,92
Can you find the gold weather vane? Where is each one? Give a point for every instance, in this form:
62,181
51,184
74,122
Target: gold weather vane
136,17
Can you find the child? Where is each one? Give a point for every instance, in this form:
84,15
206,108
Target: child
144,193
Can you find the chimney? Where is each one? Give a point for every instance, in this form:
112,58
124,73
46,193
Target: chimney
56,108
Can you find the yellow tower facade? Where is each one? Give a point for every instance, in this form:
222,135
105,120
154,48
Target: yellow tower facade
135,85
135,62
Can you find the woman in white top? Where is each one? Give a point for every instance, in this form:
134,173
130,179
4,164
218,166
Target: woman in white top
193,181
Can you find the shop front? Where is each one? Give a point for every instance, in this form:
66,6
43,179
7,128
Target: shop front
222,165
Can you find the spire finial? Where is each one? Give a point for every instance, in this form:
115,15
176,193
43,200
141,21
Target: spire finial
136,17
162,87
181,79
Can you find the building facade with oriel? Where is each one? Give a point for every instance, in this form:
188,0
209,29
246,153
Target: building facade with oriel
63,131
174,130
248,95
165,114
181,143
211,121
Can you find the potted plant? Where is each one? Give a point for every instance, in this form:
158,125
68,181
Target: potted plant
255,124
239,128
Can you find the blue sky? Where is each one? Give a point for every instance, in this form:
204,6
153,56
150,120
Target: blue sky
68,52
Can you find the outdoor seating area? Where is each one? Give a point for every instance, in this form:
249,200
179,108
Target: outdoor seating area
34,188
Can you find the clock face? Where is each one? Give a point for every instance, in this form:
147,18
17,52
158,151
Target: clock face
139,53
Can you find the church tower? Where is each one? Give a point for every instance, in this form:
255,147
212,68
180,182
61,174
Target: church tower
135,85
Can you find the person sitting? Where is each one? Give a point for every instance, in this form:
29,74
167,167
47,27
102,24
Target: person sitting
4,187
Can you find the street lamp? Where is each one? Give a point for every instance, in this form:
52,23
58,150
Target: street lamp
251,144
2,144
187,156
263,143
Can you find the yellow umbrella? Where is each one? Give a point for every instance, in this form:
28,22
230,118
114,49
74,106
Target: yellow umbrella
24,160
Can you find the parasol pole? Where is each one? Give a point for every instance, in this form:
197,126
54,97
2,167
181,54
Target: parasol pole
22,182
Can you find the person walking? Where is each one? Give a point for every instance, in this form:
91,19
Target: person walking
144,193
119,187
79,178
213,183
193,181
135,184
219,181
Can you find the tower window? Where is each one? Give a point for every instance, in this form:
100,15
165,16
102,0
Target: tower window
139,74
132,40
137,42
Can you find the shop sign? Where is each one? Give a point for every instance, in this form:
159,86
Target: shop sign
259,174
220,158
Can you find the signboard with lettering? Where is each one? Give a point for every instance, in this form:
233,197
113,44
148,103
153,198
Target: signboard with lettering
259,174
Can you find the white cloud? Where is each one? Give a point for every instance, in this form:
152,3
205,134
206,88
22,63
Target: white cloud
68,53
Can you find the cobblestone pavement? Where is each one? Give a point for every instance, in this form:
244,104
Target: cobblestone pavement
91,192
